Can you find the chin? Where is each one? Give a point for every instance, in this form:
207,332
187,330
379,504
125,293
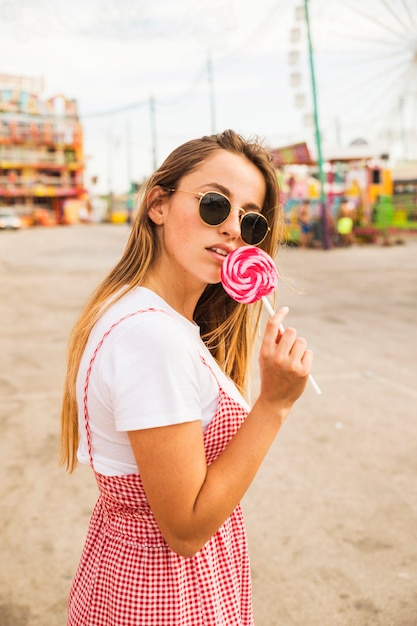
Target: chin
214,280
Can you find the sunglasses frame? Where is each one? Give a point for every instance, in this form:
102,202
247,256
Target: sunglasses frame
199,195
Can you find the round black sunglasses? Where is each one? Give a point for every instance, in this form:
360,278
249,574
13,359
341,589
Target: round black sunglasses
215,208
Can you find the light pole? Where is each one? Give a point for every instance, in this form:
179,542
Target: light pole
324,236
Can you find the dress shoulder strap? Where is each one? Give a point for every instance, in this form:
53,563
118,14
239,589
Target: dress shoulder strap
88,374
209,367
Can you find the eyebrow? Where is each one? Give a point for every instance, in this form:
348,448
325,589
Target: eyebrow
251,206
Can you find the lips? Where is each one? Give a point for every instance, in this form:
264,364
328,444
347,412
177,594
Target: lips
220,251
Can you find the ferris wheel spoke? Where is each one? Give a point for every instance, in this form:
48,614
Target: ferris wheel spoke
395,14
373,114
364,85
412,18
373,19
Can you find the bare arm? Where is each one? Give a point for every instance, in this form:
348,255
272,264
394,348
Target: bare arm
191,500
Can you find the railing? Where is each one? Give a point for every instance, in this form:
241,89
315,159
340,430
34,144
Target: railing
13,156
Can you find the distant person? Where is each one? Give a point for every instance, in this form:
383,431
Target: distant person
384,218
152,397
304,221
345,224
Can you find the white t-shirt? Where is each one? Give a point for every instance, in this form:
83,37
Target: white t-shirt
147,373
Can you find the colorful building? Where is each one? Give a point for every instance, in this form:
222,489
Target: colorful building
41,151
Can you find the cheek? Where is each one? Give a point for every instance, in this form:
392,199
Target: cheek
181,230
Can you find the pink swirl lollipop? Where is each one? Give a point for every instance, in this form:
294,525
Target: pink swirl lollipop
248,274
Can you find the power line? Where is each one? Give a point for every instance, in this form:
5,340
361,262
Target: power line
122,109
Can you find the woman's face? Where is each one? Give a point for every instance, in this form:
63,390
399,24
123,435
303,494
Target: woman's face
193,252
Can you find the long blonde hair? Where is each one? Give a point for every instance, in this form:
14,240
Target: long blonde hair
227,327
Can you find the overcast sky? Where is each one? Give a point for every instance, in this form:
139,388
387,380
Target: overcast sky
115,57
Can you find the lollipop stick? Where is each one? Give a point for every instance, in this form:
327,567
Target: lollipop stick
272,312
268,306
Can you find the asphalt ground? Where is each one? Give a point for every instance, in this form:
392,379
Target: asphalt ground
331,515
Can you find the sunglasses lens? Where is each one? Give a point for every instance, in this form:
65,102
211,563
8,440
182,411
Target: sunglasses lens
254,228
214,208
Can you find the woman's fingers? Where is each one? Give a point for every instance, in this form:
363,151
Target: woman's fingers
298,348
286,339
274,328
285,360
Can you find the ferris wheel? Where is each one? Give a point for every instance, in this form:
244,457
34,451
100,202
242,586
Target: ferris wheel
365,56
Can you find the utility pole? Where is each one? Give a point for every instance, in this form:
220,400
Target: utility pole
211,93
324,235
153,131
403,129
129,152
110,145
109,161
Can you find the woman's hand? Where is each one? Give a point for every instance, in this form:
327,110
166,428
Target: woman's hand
285,364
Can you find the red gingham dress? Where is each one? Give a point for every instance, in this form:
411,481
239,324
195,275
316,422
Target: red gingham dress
128,575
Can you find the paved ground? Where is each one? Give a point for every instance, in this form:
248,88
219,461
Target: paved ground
331,516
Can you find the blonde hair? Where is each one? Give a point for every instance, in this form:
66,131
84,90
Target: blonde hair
227,327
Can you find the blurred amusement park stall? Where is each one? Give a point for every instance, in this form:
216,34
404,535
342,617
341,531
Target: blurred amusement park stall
359,183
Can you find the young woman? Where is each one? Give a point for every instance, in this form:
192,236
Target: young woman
156,366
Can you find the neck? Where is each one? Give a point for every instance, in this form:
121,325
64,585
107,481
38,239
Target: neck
175,295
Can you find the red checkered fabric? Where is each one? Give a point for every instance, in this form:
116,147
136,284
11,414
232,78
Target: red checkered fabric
128,575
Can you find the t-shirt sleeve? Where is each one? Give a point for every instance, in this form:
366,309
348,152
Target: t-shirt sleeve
154,374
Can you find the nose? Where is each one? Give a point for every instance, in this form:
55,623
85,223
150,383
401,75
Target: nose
231,227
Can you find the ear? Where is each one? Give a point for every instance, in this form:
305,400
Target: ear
156,203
